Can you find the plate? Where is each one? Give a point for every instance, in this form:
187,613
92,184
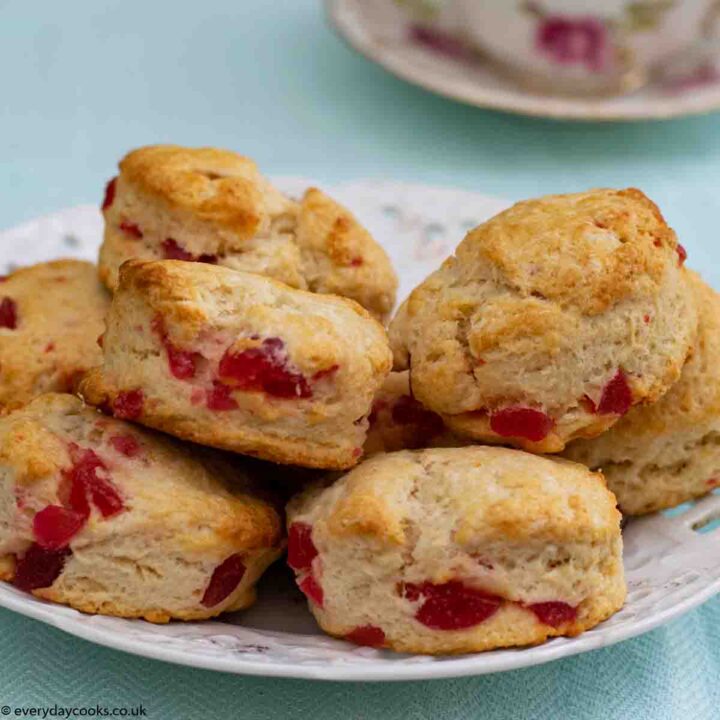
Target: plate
672,560
381,34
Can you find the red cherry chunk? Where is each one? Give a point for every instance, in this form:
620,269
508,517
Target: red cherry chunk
172,250
219,398
312,589
182,363
451,605
408,411
131,229
126,445
301,549
616,398
682,253
264,369
39,567
554,614
109,193
369,635
521,422
87,483
8,313
128,404
54,526
224,581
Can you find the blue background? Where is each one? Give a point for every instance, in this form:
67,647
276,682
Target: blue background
82,82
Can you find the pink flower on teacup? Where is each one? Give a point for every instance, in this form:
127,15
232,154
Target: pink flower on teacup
574,41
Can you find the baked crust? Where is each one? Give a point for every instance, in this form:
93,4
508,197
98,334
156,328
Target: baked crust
666,453
518,528
542,307
329,345
214,206
60,307
184,511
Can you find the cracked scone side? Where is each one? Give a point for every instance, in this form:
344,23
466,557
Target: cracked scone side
458,550
110,518
214,206
550,321
240,362
669,452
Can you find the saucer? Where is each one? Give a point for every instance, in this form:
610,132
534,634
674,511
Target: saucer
433,62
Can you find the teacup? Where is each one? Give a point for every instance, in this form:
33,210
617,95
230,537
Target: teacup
583,46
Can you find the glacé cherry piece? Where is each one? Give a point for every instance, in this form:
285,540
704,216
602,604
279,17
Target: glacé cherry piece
131,229
224,581
172,250
39,568
682,253
8,313
312,589
521,422
553,613
219,398
109,194
182,363
128,404
369,635
55,526
126,445
451,605
616,396
86,484
265,369
301,549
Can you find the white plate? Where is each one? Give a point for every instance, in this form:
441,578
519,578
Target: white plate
381,34
671,567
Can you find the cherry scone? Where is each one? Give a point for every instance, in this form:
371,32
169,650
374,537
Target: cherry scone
51,316
213,206
452,550
551,320
664,454
110,518
241,362
399,422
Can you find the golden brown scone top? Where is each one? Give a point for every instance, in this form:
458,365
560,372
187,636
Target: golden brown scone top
215,185
234,214
180,291
591,249
485,493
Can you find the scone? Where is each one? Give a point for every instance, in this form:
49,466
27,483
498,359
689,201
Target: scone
214,206
241,362
399,422
551,321
51,315
669,452
458,550
109,518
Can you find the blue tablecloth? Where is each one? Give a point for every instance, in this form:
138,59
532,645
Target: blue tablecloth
84,81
